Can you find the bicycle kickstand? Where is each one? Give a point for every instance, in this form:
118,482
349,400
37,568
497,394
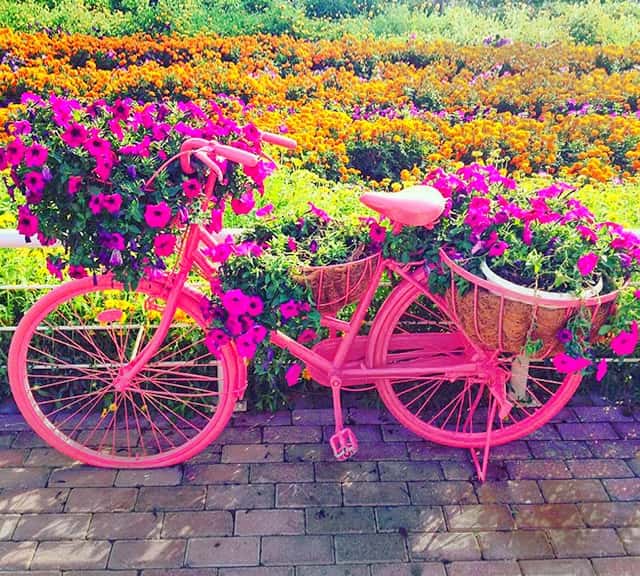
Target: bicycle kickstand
344,442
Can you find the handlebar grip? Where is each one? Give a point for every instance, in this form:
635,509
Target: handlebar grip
236,155
278,140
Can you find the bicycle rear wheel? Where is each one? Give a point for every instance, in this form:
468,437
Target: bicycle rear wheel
457,410
67,352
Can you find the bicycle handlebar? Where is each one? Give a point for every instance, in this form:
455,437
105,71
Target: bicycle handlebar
204,148
278,140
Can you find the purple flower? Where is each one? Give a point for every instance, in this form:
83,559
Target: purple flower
564,336
587,263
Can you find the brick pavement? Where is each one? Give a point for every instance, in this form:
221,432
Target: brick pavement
267,499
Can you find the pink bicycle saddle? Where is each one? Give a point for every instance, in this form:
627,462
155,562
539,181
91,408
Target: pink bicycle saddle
414,206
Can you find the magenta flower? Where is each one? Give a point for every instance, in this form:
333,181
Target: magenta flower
255,306
77,272
104,166
73,185
564,336
97,147
164,244
587,263
566,364
235,302
289,309
588,234
54,268
527,235
246,345
157,215
292,375
15,152
111,202
498,248
626,341
34,181
75,135
216,219
120,109
3,159
215,340
636,294
192,188
377,233
319,212
234,326
35,155
244,204
292,246
258,333
27,222
95,203
264,211
307,335
601,370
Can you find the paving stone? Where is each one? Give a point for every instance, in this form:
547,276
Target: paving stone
516,545
101,499
172,572
82,477
281,472
468,518
37,500
559,449
459,470
347,471
410,519
52,527
599,468
156,477
397,433
444,547
614,448
627,430
47,457
609,514
368,451
258,571
412,569
27,439
529,516
370,548
439,493
231,551
375,493
578,567
516,450
408,471
484,568
158,498
510,492
311,417
356,416
292,434
348,520
269,522
301,494
567,414
197,524
23,477
587,431
344,570
430,451
634,464
363,432
296,550
101,573
76,555
8,523
12,457
624,489
212,454
280,418
308,453
216,474
248,453
240,496
586,543
548,432
124,525
573,491
240,435
16,555
602,414
630,538
147,554
629,566
537,469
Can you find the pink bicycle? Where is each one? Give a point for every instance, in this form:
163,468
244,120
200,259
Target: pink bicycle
120,378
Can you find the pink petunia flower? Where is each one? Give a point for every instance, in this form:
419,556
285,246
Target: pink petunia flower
157,215
236,302
27,222
377,233
289,309
15,152
54,268
244,204
215,340
255,306
527,235
258,333
34,181
97,147
264,211
75,135
120,109
35,155
77,272
601,370
587,263
588,234
292,375
564,336
626,341
104,166
566,364
192,188
307,335
95,203
498,248
112,203
216,219
164,244
246,345
319,212
73,185
234,326
636,294
292,246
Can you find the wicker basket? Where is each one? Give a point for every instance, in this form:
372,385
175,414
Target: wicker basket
333,287
498,318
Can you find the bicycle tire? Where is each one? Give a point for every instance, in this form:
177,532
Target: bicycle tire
70,345
448,410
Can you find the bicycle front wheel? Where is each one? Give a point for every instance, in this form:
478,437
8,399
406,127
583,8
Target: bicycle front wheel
68,350
457,410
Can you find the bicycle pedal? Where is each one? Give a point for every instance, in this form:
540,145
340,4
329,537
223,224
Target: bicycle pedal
344,444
